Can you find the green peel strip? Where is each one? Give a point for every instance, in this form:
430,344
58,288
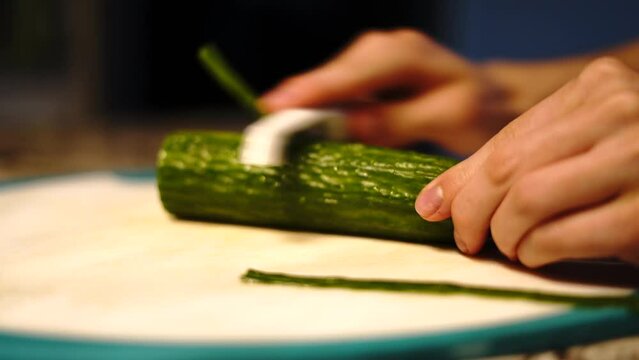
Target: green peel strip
629,302
214,62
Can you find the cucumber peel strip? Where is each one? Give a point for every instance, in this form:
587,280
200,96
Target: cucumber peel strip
213,61
627,302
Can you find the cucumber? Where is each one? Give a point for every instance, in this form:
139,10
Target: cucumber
627,302
326,186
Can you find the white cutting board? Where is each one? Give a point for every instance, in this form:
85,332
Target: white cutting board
96,256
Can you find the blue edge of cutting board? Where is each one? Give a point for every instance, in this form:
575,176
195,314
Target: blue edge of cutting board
569,328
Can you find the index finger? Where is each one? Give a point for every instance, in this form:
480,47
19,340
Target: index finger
376,61
472,190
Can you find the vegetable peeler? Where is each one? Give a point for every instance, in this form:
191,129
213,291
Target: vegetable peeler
264,142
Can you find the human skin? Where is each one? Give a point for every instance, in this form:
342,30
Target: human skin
438,96
559,182
401,86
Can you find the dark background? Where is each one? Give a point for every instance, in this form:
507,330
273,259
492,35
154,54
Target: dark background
139,55
153,42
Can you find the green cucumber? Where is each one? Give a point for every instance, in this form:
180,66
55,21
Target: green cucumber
325,186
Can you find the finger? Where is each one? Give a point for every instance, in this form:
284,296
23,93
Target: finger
575,182
350,76
471,225
608,230
474,205
430,116
545,193
605,76
451,181
335,82
433,202
519,149
366,67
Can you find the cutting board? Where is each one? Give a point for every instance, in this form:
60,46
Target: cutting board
91,264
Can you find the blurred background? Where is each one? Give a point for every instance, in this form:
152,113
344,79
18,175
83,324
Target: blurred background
96,84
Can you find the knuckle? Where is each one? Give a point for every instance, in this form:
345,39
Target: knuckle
542,240
498,233
467,224
624,103
526,198
411,35
604,68
457,211
503,239
460,212
502,165
505,245
399,44
372,36
528,261
607,76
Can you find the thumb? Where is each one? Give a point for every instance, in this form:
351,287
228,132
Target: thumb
434,201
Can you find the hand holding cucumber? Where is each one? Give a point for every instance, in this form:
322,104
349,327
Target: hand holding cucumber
559,182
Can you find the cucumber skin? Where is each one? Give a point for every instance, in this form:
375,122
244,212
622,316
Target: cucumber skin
325,186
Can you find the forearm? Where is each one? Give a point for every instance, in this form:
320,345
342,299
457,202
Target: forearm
528,82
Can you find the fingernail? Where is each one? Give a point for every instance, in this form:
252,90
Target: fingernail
460,243
429,201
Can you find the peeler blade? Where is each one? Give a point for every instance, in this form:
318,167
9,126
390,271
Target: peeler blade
264,142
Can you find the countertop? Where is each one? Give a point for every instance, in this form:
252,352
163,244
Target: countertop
55,149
